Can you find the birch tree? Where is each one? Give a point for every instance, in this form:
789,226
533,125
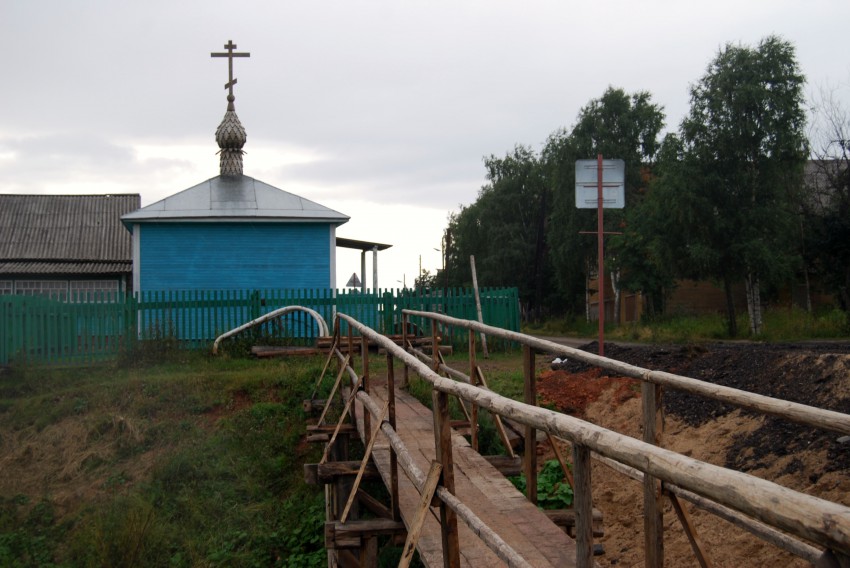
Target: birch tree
745,138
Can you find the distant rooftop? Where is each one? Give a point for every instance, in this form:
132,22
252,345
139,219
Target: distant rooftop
39,232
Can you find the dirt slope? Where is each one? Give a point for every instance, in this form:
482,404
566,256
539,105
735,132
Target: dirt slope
804,459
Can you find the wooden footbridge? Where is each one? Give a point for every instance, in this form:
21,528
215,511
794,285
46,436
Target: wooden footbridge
457,509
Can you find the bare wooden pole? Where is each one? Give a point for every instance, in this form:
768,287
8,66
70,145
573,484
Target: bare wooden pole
583,504
404,342
530,396
443,442
653,522
478,305
473,375
396,514
364,354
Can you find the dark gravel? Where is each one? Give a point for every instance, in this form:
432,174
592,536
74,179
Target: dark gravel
809,373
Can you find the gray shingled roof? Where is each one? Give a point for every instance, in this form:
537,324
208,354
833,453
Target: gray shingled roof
87,228
62,267
235,198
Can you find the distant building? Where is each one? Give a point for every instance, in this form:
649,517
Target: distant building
234,232
64,245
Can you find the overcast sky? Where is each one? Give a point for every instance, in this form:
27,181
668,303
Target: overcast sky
381,110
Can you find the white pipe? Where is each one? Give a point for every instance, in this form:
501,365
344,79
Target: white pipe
323,326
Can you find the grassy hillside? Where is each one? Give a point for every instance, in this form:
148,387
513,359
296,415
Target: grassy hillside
192,462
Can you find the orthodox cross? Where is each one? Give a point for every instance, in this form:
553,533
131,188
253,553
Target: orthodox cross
230,46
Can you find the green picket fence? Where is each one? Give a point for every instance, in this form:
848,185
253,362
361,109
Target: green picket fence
93,327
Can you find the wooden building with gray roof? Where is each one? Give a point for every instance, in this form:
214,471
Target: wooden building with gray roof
62,245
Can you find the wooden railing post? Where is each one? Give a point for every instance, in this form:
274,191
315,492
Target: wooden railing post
393,457
653,522
404,341
367,419
530,397
443,442
473,379
583,505
435,347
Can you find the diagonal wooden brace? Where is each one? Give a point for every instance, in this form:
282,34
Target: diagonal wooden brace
363,464
342,416
333,390
415,529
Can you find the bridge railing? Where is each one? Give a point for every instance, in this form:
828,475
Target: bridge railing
439,482
766,505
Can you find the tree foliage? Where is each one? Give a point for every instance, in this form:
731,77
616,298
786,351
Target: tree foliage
718,200
505,229
744,152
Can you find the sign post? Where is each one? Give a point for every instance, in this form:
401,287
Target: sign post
597,176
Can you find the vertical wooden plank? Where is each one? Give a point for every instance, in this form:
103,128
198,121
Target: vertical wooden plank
653,522
443,442
530,397
583,504
473,377
369,551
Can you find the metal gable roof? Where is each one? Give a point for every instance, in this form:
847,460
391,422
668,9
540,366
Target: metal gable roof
65,227
234,198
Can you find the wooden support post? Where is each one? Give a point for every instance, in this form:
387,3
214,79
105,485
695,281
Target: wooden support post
690,532
364,354
435,347
404,342
653,522
530,397
421,514
473,378
369,551
443,442
393,457
583,504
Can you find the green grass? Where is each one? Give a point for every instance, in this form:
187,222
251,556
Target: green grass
191,462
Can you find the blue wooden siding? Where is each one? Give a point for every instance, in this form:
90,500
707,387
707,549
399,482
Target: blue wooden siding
231,256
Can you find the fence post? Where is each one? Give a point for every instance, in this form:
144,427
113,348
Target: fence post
530,397
653,523
583,505
443,443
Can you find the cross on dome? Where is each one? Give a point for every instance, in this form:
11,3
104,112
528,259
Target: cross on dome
230,47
